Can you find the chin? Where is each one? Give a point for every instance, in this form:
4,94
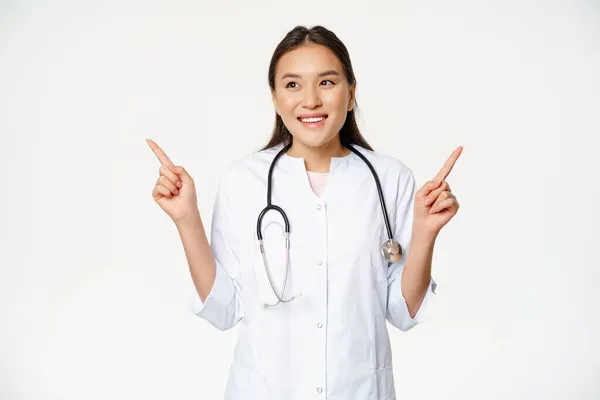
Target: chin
312,139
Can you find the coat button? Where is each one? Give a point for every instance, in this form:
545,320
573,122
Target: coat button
319,325
319,262
318,206
319,390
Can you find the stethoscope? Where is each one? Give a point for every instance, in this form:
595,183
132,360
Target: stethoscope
390,249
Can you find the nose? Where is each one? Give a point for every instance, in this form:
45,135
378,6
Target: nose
311,98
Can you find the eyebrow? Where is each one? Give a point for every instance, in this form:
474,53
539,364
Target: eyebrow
320,75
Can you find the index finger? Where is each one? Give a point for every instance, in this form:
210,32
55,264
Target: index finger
162,157
445,171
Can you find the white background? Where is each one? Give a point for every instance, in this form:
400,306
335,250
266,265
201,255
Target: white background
93,277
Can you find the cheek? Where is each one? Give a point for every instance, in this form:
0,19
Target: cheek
287,103
336,100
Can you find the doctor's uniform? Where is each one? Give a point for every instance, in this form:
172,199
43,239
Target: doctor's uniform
331,342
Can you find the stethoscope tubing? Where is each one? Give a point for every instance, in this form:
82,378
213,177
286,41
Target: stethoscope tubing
271,206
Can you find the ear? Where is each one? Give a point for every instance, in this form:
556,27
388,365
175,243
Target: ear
352,97
274,99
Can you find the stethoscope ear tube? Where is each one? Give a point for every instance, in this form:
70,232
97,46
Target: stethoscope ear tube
286,234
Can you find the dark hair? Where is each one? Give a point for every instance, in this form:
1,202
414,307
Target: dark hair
349,133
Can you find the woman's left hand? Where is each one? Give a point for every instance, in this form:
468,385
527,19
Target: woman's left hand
435,204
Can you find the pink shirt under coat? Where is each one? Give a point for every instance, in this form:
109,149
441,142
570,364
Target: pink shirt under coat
317,181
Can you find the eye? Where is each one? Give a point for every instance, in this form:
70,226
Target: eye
327,80
290,83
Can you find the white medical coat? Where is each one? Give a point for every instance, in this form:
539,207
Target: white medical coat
331,342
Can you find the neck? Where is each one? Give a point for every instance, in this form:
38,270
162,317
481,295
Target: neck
318,159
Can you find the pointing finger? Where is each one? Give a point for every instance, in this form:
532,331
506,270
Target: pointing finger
160,154
445,171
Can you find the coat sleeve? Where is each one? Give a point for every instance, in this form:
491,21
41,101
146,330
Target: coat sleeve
223,306
397,311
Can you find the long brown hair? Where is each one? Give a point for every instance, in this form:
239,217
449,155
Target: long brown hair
349,133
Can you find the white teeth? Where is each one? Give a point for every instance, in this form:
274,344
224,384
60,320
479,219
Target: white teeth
312,119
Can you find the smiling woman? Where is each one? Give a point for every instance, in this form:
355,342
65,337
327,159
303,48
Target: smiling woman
313,90
350,216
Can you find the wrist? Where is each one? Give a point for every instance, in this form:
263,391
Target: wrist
421,234
191,219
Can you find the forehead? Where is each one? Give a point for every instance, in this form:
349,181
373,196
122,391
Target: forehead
308,59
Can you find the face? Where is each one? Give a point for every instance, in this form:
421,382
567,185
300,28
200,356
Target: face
312,94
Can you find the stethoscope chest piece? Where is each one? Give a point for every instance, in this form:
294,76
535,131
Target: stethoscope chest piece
391,250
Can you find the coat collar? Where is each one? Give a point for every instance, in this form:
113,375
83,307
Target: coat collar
297,163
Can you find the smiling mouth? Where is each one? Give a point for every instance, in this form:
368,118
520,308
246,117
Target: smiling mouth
313,120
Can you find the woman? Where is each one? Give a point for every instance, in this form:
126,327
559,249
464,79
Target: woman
320,330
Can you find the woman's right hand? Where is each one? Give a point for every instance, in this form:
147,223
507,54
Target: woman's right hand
174,191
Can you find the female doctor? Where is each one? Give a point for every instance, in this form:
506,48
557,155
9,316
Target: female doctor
316,240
